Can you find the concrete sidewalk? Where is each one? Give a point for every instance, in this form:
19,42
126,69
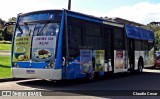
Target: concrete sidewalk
5,52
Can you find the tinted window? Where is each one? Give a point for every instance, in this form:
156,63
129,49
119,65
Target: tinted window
150,45
93,29
107,42
93,36
75,37
144,45
138,45
119,38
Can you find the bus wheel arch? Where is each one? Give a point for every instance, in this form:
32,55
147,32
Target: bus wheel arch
140,64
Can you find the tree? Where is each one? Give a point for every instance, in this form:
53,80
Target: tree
155,27
10,28
7,35
12,19
1,29
157,39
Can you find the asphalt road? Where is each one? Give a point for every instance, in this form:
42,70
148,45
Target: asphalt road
120,83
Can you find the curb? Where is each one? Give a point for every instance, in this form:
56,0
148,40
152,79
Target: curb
11,79
5,51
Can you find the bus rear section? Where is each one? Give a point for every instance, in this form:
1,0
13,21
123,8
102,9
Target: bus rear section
34,45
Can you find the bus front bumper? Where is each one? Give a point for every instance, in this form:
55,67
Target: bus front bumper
49,74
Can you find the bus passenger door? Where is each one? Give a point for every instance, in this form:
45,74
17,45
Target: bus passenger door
108,38
131,54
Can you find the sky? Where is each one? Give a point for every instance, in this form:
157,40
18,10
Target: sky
141,11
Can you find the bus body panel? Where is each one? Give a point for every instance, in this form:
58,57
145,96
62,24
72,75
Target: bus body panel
50,74
120,61
73,71
29,64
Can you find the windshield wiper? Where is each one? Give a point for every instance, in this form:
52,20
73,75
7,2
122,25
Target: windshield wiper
20,29
45,25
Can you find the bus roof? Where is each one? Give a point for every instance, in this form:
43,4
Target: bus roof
79,15
40,11
131,31
93,18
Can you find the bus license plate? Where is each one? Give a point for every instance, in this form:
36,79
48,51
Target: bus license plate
30,71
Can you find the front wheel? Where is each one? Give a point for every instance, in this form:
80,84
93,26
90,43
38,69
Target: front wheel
140,66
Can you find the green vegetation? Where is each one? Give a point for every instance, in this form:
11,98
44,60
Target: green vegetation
157,39
5,46
5,67
155,27
1,37
6,32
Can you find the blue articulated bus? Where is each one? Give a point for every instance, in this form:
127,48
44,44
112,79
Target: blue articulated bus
62,44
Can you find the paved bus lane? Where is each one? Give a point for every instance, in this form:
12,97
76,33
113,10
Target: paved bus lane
144,85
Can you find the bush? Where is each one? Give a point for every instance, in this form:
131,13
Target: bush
8,36
1,37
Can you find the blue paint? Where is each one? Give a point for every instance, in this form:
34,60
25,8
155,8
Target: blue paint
73,71
58,64
23,64
101,73
32,65
84,17
139,33
39,65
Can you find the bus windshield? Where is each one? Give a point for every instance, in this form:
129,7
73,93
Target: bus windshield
36,37
37,29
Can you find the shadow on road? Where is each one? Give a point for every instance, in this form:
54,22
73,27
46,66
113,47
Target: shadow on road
4,66
74,82
117,84
157,68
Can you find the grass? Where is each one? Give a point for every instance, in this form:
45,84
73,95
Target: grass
5,67
5,46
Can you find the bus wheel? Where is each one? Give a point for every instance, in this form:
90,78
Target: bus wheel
140,66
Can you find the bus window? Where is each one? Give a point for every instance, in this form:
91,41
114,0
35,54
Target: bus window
119,39
138,45
24,30
150,45
93,36
48,29
144,45
108,42
75,41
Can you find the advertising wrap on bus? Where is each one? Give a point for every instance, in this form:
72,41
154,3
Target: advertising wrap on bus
43,48
99,60
22,49
86,61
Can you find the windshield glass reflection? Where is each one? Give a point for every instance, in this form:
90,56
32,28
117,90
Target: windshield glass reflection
46,29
